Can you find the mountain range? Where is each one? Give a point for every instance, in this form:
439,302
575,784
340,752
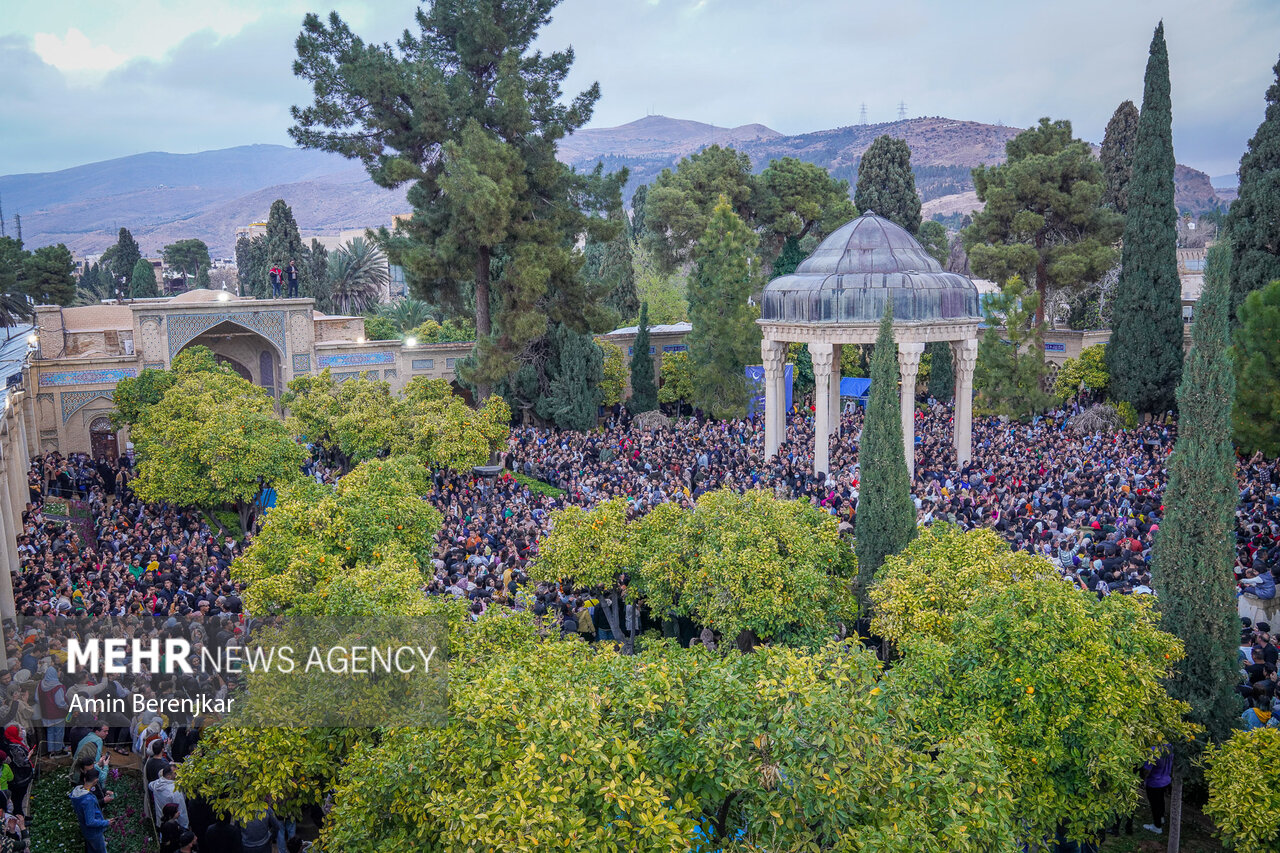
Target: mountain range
166,197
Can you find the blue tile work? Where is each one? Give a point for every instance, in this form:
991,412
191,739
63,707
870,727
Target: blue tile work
352,374
424,363
302,362
354,359
183,328
74,401
86,377
153,365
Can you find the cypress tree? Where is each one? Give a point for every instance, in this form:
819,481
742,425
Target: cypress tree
644,390
886,516
616,272
142,282
942,377
789,258
1144,356
1118,145
574,394
1257,364
1194,549
1253,224
127,255
725,337
886,185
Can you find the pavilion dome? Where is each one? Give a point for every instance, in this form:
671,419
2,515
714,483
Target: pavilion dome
856,270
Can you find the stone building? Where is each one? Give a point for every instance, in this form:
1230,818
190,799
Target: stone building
83,352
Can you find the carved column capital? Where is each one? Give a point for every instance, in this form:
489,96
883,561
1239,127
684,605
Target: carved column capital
821,355
965,356
773,355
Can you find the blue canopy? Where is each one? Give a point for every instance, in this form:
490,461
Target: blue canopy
851,387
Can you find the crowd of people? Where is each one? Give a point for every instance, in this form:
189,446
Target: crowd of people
1089,503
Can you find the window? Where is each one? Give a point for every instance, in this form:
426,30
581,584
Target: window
674,348
448,362
1194,265
424,363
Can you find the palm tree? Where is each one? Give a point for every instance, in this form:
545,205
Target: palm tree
15,308
357,275
407,314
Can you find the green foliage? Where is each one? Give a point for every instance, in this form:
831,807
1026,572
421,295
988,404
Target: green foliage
1253,223
1128,414
574,394
740,563
725,337
406,314
357,276
1145,355
777,750
230,523
886,185
1243,776
933,236
1070,688
676,377
680,203
355,420
613,373
666,294
1119,144
93,286
12,256
450,331
644,389
792,199
1011,369
802,381
789,258
1256,355
379,328
134,396
942,373
1195,551
1043,218
213,440
1086,373
48,275
142,285
125,256
537,486
610,264
468,113
886,518
189,257
447,433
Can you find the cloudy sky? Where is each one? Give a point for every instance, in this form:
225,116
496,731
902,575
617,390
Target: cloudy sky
86,80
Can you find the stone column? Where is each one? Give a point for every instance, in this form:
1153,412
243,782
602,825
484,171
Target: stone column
9,546
835,389
908,366
773,357
964,356
821,355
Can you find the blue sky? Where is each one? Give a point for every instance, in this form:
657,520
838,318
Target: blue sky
86,80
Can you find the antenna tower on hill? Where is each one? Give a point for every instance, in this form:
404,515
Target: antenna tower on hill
902,110
862,115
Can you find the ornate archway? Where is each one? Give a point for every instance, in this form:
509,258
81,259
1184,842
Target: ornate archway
248,352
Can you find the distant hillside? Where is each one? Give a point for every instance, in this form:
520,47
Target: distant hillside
165,197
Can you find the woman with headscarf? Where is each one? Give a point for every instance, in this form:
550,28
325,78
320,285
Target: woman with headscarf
53,710
15,744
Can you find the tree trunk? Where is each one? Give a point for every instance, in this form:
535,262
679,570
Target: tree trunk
610,604
1042,288
1175,813
484,327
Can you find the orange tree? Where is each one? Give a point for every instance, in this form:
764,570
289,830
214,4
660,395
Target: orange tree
1243,776
1070,687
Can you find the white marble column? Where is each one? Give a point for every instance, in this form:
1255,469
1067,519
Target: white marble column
17,481
836,350
908,366
964,356
773,356
821,356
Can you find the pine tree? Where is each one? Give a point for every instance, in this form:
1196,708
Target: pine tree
142,282
48,275
17,226
616,272
1194,549
1144,356
725,337
125,257
886,185
886,516
644,389
942,377
574,395
1011,369
1118,146
1253,223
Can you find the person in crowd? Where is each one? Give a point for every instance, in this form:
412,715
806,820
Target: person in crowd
93,826
291,276
275,273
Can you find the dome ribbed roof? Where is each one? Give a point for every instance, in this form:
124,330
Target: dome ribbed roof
856,270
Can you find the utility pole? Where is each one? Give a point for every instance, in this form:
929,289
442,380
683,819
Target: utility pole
862,116
902,110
